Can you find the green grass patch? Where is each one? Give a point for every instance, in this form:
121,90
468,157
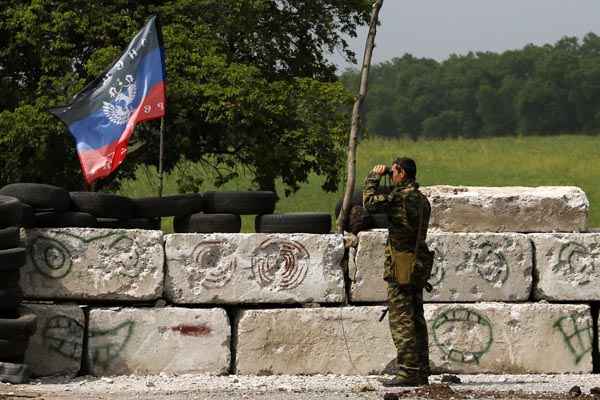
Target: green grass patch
566,160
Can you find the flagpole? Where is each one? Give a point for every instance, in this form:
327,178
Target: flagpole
161,152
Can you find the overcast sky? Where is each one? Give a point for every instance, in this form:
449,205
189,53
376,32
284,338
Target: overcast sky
438,28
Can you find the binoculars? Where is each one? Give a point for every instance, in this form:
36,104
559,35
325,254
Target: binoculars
388,171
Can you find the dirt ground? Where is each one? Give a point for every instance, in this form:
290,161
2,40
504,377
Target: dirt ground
526,387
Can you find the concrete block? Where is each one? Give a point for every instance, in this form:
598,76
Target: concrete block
507,209
254,268
141,341
467,267
344,340
567,266
93,264
510,338
494,338
56,347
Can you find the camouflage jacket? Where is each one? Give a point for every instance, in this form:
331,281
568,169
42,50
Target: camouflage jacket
402,208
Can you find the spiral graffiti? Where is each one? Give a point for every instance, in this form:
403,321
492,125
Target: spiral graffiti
50,257
282,264
212,269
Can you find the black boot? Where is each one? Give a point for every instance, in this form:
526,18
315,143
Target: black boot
405,381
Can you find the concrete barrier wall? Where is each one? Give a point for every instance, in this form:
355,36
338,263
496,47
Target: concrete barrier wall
510,338
93,264
150,341
463,338
567,266
254,268
507,209
56,348
128,265
467,267
473,338
253,275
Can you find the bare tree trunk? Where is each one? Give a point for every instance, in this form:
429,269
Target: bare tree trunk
362,94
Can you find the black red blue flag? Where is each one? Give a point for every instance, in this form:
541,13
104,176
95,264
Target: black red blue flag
103,116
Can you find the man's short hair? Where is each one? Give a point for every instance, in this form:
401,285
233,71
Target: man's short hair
408,165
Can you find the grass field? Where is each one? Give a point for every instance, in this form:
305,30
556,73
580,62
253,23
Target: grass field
567,160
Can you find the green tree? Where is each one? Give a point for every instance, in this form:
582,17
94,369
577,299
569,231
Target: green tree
446,124
249,84
535,90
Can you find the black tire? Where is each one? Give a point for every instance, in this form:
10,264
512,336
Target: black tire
240,203
69,219
109,223
12,259
39,196
28,220
9,279
14,373
20,328
12,349
102,205
150,224
9,237
208,223
10,299
11,211
169,206
293,223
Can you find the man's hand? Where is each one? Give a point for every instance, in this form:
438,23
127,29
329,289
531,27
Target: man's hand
379,169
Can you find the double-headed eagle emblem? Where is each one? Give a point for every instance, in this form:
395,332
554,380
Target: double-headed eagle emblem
119,110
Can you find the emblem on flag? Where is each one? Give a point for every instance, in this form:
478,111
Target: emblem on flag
119,110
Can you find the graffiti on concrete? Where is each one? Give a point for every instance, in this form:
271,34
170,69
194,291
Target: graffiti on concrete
107,344
123,253
279,263
63,335
485,260
188,330
574,262
491,264
50,257
576,334
463,335
53,257
212,268
440,262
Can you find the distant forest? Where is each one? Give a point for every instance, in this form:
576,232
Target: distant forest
538,90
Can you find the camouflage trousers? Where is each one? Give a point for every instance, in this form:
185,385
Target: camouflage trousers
409,330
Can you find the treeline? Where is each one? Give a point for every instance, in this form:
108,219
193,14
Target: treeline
537,90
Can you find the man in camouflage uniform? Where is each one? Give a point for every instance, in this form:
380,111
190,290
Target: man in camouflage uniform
407,208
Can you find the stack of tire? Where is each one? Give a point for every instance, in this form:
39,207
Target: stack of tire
155,208
17,323
359,218
47,206
112,211
221,212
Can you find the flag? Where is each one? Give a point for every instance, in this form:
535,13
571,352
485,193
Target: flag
104,114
